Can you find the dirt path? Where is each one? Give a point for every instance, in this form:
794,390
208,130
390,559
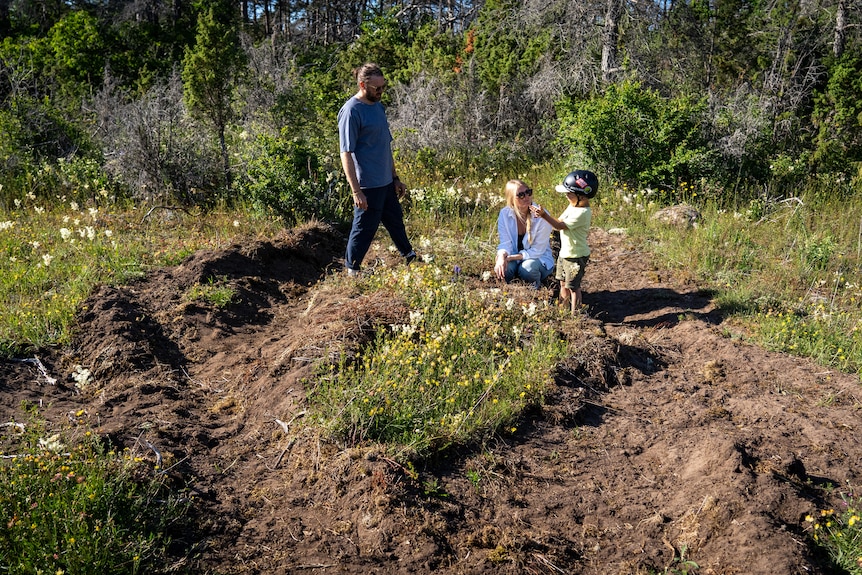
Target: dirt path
666,437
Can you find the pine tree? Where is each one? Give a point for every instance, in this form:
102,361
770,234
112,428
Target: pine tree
211,69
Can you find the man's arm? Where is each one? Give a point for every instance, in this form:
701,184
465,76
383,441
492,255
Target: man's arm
359,199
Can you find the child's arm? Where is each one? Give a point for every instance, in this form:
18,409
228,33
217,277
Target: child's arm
541,212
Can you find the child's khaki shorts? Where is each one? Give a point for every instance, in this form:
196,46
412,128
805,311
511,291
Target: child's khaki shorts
570,271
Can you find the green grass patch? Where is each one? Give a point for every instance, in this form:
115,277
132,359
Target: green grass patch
71,505
838,532
464,367
216,292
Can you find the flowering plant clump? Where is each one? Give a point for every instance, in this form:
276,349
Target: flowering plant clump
465,366
50,251
839,533
457,200
71,505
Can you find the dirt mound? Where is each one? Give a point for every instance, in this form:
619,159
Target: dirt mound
664,435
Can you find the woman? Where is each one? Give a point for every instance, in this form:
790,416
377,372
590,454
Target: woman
525,241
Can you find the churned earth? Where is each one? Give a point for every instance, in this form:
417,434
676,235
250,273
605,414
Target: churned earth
666,437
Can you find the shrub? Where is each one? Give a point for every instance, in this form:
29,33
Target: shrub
636,136
286,177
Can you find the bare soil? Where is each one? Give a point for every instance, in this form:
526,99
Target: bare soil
666,436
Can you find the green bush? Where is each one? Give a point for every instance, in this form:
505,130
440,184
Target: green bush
838,118
636,136
286,178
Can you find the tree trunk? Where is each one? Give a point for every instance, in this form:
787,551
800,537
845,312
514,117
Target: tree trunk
840,28
610,37
228,177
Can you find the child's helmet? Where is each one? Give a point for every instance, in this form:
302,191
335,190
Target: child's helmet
581,182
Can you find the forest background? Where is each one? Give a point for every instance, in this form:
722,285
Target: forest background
209,101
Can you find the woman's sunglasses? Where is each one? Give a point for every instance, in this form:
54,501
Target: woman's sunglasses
525,193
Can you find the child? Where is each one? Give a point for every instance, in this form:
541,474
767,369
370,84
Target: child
573,225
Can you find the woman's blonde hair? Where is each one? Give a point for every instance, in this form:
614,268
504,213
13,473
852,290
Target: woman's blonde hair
510,190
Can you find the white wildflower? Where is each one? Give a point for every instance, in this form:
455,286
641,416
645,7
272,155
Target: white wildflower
82,376
407,330
52,443
46,258
65,233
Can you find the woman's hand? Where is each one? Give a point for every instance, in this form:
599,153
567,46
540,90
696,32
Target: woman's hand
500,265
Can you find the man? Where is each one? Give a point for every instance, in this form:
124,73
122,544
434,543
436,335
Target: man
366,156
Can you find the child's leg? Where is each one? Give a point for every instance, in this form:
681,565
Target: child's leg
565,294
577,299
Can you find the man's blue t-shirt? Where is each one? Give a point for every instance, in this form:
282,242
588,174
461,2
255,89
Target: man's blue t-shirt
364,131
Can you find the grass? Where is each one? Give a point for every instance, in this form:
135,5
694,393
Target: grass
839,534
215,292
71,505
51,256
782,270
466,365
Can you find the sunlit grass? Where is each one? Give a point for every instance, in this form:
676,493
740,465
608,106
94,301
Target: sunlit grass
839,533
215,292
51,256
464,367
782,269
71,505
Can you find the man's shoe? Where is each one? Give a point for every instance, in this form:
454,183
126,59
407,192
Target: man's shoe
352,272
410,257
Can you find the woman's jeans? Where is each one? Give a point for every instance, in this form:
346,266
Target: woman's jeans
383,207
532,271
